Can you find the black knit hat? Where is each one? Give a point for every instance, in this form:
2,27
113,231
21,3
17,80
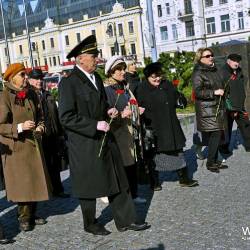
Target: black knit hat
36,74
235,57
152,68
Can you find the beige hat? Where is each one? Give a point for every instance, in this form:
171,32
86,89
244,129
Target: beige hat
112,62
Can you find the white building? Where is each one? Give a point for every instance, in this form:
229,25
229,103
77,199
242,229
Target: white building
190,24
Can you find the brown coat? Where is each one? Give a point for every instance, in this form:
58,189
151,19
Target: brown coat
25,174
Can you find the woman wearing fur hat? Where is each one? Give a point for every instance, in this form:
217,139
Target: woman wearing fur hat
21,126
160,98
126,126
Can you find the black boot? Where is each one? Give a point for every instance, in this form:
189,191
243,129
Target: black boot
184,180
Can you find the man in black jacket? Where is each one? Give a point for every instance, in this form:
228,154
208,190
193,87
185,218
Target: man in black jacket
53,135
235,99
95,163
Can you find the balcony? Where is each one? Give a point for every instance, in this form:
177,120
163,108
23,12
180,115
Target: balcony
185,15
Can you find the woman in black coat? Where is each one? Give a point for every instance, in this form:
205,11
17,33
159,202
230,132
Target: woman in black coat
159,98
210,113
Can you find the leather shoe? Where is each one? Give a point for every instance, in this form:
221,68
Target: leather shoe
222,166
97,229
213,168
135,227
6,241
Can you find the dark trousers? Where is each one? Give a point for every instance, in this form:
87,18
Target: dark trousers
1,232
26,211
213,146
122,206
131,172
53,162
244,127
153,174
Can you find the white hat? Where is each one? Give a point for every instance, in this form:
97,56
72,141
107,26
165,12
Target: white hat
112,62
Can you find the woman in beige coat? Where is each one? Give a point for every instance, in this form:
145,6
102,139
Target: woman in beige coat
21,126
126,127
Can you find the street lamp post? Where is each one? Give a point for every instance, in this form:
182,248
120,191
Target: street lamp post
111,26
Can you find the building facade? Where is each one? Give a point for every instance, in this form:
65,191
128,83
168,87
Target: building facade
118,32
191,24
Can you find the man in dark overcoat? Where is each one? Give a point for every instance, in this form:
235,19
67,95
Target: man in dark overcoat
83,113
54,133
233,78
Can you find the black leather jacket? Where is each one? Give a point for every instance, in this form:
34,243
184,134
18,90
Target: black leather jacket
206,79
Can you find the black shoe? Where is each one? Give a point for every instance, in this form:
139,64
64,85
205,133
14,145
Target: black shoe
222,166
6,241
157,188
135,227
189,183
25,226
97,229
62,195
213,168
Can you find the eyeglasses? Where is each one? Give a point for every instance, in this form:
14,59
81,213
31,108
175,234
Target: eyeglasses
208,56
155,76
22,74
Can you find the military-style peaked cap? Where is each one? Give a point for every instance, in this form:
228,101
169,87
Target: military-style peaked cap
86,46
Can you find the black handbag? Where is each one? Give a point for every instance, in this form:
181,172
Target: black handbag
181,101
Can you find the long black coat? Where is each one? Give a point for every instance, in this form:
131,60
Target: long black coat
235,90
205,81
81,106
160,115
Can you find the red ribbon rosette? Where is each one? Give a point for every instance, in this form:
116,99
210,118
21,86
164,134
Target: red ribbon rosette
120,91
21,95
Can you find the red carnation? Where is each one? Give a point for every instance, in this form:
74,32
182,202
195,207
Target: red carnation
120,91
21,95
133,102
176,82
233,77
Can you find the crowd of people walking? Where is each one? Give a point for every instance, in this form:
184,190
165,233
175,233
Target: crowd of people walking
111,128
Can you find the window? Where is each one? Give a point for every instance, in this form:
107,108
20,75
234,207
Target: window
208,3
240,20
5,51
123,51
210,25
54,60
35,62
33,46
188,6
21,49
225,23
189,28
93,32
159,10
223,1
110,31
59,61
120,29
67,40
100,52
174,31
131,27
52,44
112,51
78,37
45,61
43,44
133,49
167,9
164,33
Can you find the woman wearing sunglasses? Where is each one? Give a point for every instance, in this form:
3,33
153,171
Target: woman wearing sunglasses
21,126
208,90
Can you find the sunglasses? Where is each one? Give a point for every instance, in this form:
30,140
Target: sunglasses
22,74
156,76
208,56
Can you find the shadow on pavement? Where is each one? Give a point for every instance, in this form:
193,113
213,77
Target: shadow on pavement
159,247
